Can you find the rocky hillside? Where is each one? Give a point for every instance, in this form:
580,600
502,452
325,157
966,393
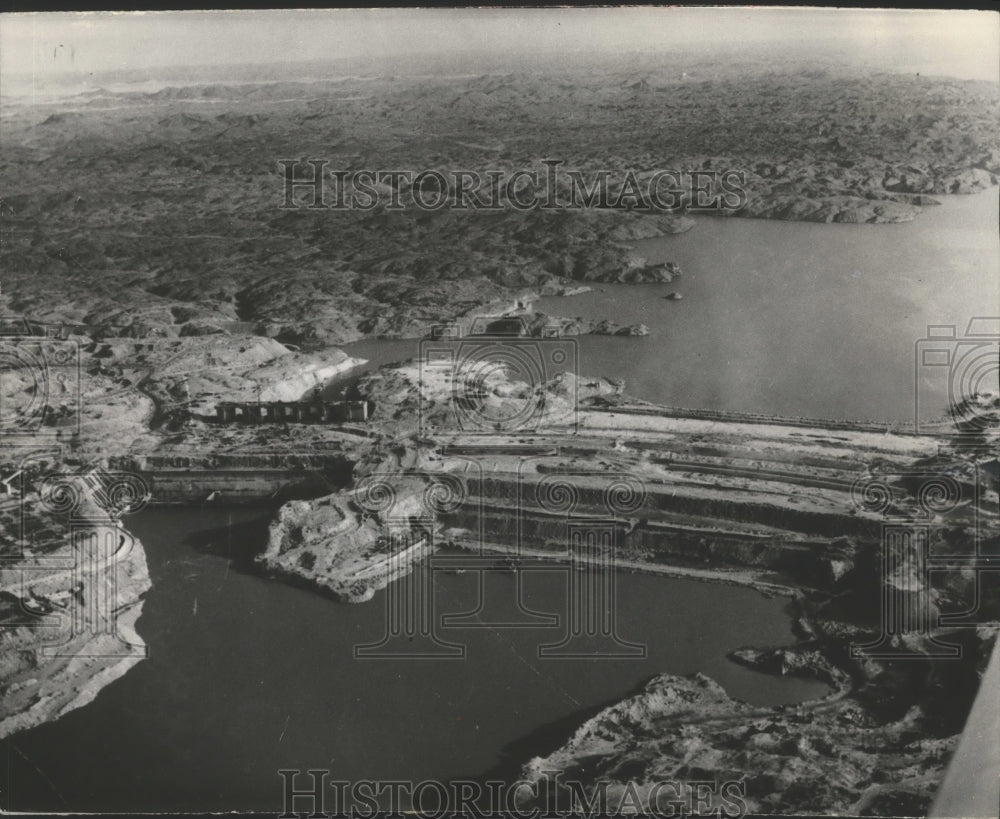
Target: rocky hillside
161,214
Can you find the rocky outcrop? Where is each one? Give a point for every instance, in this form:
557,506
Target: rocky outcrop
325,542
90,603
191,375
938,181
355,542
539,324
850,209
37,689
795,759
637,272
806,661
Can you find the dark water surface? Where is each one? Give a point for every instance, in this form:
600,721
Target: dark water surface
246,676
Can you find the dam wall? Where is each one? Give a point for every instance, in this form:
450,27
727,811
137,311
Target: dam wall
816,561
662,502
731,416
238,477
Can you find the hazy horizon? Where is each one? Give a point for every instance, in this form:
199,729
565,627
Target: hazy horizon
63,46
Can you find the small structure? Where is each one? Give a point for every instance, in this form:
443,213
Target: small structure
508,326
450,330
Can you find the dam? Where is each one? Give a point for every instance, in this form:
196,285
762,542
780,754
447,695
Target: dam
193,476
719,495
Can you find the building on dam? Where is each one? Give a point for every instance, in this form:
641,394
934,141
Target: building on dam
291,412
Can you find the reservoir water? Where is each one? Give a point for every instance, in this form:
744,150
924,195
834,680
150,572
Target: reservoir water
248,675
791,318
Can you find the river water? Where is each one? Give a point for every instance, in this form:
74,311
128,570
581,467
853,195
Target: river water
246,675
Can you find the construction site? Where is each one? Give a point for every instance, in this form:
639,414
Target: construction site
883,540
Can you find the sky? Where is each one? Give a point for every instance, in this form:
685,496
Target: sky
962,43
